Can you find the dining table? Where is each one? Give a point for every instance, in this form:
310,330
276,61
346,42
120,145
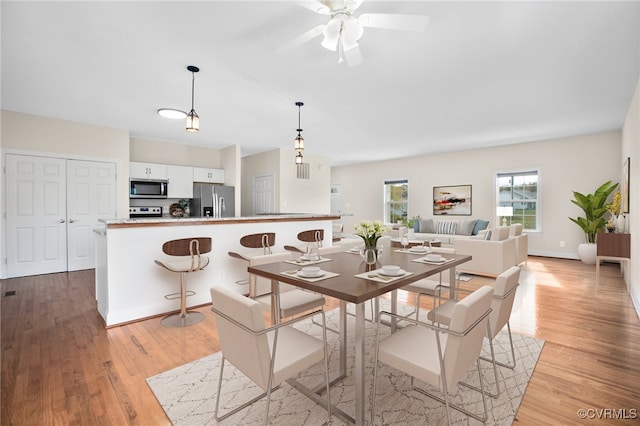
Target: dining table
348,278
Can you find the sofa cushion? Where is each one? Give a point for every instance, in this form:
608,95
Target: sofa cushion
446,227
479,226
466,227
426,226
487,235
500,233
515,229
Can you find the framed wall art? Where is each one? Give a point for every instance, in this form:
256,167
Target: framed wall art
626,170
452,200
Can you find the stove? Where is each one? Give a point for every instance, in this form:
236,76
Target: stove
137,212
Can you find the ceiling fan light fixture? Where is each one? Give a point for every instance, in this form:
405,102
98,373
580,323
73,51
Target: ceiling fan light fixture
331,33
193,120
174,114
351,32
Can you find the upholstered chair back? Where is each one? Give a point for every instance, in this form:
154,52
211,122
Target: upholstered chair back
501,305
461,352
515,229
249,353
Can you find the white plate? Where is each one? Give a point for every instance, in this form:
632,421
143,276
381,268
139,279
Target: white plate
400,272
354,250
435,261
303,275
418,249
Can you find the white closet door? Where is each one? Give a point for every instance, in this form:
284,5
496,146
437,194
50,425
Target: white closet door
263,194
91,195
36,215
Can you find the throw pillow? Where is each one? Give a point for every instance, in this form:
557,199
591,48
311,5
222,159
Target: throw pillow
466,227
446,227
479,226
487,235
426,226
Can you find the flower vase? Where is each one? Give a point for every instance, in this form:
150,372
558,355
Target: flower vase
620,222
370,255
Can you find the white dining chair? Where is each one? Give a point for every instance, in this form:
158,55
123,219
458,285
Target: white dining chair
267,356
439,356
502,303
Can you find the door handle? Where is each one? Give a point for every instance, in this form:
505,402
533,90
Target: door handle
72,220
61,221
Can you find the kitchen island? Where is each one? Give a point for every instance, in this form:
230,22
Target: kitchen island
130,286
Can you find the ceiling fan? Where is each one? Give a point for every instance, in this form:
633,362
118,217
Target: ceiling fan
344,29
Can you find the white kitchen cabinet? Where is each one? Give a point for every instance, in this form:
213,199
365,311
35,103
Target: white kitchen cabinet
147,170
180,181
201,174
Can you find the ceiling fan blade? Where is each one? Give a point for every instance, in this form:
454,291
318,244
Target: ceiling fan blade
394,21
352,4
301,39
315,6
353,56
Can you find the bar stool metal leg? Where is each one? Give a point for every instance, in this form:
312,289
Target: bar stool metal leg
183,318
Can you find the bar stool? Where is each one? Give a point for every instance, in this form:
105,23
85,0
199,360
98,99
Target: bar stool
264,240
313,238
194,248
293,300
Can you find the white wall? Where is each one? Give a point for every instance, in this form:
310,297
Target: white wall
291,195
305,195
631,149
153,151
578,163
68,139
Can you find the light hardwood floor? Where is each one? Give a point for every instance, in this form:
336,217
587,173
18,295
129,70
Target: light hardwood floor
60,366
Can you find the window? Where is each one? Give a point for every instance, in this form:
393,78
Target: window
396,200
520,190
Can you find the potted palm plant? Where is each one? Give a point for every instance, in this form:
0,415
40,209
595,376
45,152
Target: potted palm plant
594,208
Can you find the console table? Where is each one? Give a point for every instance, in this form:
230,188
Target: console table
612,246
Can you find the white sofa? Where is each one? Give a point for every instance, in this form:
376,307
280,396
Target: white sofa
489,257
522,243
445,229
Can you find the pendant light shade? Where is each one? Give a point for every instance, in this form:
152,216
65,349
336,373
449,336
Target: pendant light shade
193,120
298,142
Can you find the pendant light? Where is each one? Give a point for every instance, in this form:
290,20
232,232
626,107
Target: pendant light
298,142
193,121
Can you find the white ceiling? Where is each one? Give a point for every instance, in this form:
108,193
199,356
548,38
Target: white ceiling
482,74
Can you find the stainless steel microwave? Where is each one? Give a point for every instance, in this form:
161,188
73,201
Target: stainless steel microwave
146,188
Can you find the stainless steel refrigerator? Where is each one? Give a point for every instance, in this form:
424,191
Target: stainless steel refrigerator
213,200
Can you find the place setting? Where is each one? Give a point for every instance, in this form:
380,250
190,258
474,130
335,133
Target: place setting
308,259
414,250
385,274
433,259
310,273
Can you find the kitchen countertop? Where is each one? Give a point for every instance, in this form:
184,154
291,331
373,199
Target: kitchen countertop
171,221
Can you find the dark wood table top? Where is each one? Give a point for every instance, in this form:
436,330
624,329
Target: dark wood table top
347,286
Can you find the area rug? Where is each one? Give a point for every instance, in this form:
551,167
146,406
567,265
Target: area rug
463,277
187,393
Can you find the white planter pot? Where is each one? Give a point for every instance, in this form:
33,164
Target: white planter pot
587,253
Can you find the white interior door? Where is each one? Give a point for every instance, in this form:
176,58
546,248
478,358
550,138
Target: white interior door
36,215
263,194
91,195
